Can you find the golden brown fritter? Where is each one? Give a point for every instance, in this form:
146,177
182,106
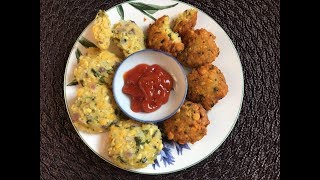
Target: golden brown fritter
187,125
185,21
206,85
200,48
161,37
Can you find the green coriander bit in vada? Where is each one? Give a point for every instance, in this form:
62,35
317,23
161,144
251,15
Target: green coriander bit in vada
132,144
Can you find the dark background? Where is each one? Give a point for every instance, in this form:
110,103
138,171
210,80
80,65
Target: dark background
252,150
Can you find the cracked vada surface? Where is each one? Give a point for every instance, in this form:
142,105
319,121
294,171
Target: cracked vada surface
128,36
185,21
161,37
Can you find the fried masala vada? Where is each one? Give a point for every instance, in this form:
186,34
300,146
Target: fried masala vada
161,37
200,48
185,21
187,125
206,85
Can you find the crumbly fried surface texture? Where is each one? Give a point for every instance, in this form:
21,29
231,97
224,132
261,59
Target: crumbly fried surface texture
206,85
185,21
161,37
200,48
187,125
101,30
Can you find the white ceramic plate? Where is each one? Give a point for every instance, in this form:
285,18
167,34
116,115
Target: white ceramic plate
222,116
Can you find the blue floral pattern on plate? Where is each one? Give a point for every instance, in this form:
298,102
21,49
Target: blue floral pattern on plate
165,153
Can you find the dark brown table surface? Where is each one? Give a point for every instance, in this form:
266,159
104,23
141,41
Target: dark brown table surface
252,150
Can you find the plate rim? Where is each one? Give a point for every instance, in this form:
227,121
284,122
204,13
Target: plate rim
169,172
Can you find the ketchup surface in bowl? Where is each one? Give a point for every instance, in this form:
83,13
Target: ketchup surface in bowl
148,87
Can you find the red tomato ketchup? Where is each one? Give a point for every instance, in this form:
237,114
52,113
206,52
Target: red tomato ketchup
148,87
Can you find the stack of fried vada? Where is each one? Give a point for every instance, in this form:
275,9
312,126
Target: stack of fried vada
195,49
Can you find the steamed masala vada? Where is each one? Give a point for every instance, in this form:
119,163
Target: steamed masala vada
96,67
92,110
206,85
132,144
161,37
101,30
187,125
128,36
